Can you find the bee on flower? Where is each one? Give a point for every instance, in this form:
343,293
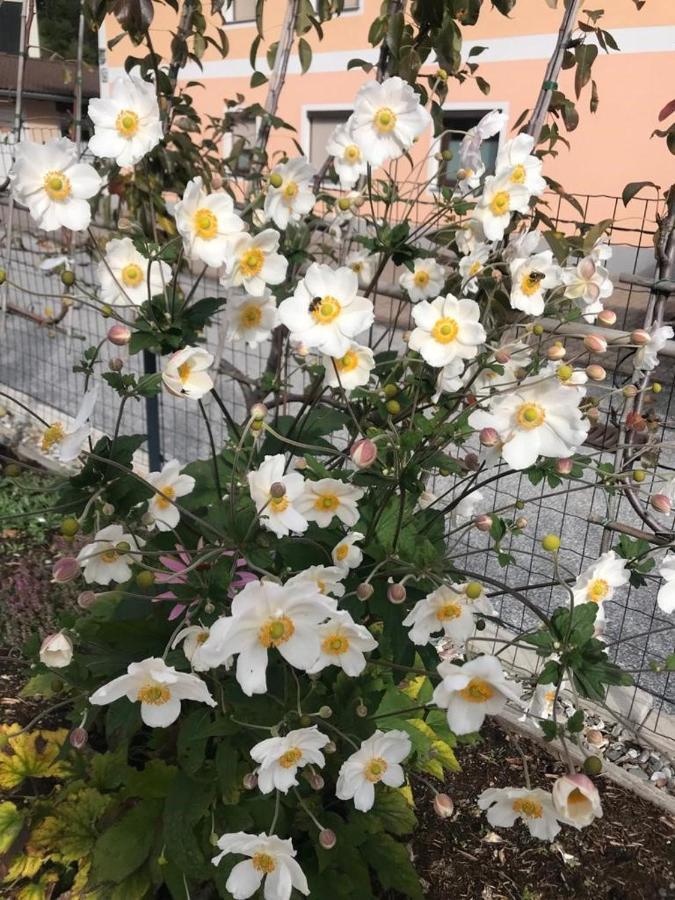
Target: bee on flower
185,373
530,279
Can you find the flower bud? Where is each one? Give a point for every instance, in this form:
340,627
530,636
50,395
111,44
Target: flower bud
393,407
123,547
521,522
551,543
592,414
250,781
596,372
3,276
365,591
639,475
472,462
106,311
483,523
277,490
557,351
473,590
86,599
65,569
78,738
315,781
56,651
592,765
442,75
657,388
344,203
488,437
119,335
69,526
630,391
564,466
330,747
443,806
577,800
607,317
363,453
502,357
396,593
361,711
67,277
145,579
216,181
325,712
258,412
595,343
640,337
661,503
276,180
538,330
115,364
327,838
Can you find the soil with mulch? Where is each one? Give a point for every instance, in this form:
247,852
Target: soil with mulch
629,854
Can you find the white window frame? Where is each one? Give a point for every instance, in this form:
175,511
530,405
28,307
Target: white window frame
228,18
348,12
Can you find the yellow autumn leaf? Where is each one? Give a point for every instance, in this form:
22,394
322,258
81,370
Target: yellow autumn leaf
432,767
71,832
422,726
414,686
23,866
30,754
407,794
446,755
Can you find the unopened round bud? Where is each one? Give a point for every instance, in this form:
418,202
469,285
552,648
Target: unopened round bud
447,155
108,509
661,503
330,747
209,608
250,781
595,343
473,590
564,466
551,543
363,453
607,317
639,475
258,412
556,352
630,391
390,390
106,311
116,364
361,711
393,407
657,388
3,276
69,526
521,522
276,180
483,523
119,335
278,490
68,277
592,413
502,357
488,437
596,372
327,838
640,337
443,806
123,547
472,462
442,75
78,738
315,781
592,765
325,712
145,579
364,591
86,599
396,593
65,569
538,330
344,203
216,181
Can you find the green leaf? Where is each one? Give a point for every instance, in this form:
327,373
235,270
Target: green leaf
633,189
576,722
257,79
305,54
392,865
187,804
126,845
392,809
11,823
585,55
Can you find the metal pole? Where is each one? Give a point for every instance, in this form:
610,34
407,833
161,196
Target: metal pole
152,416
78,81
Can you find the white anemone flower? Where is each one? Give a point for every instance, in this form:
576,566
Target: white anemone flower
109,556
530,279
126,123
158,688
470,692
184,373
270,859
349,371
447,329
566,374
348,158
328,497
267,616
449,379
123,275
279,758
469,236
207,223
326,579
343,643
647,356
378,759
425,281
193,637
278,513
387,119
326,312
666,595
171,484
293,198
254,263
522,244
491,124
69,442
469,177
540,418
516,162
443,610
576,800
587,283
599,581
499,200
56,651
53,184
363,264
533,807
250,319
346,555
471,266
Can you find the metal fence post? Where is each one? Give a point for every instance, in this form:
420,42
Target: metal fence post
152,417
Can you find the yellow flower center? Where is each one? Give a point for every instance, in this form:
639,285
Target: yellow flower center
52,435
57,186
263,862
184,371
326,310
475,268
153,693
576,798
530,283
518,174
279,504
375,769
250,315
341,552
206,224
290,190
445,330
276,631
477,691
290,758
335,644
356,267
449,611
326,502
597,590
251,262
132,275
110,555
530,415
164,499
202,637
530,809
500,203
348,362
126,123
352,153
421,278
384,120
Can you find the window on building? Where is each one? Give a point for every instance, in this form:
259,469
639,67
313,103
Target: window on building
351,5
242,11
455,124
10,26
239,141
322,123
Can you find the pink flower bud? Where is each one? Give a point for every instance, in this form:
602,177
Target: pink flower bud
443,806
564,466
119,335
596,372
250,781
363,453
327,838
315,781
502,357
78,738
396,593
488,437
640,337
556,352
216,181
595,343
483,523
277,490
576,800
365,591
258,412
330,747
86,599
472,462
607,317
56,651
521,522
661,503
115,364
65,569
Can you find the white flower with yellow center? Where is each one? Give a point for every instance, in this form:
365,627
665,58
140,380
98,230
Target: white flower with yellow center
387,119
542,701
343,644
185,373
647,356
666,595
469,177
346,555
425,281
158,688
280,758
250,319
348,158
193,638
69,442
598,582
289,194
471,267
540,418
328,497
207,223
270,859
253,262
109,556
326,579
530,278
268,616
443,610
447,329
279,510
123,275
533,807
126,122
349,371
576,800
378,759
363,264
470,692
53,184
170,485
325,313
587,283
499,200
516,162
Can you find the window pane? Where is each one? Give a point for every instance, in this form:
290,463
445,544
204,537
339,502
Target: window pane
456,125
243,11
321,125
351,5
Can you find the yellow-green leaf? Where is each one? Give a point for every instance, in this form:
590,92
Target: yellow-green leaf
11,822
